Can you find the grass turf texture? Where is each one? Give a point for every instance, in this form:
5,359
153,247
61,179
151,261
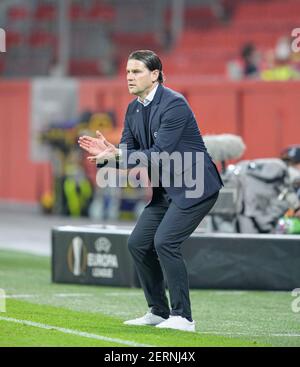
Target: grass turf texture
224,318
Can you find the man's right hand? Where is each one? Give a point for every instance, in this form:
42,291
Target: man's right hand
93,146
99,148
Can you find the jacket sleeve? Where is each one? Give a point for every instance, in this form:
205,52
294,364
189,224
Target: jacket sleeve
127,135
126,138
172,125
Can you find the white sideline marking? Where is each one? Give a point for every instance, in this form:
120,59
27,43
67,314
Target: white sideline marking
72,295
74,332
19,296
230,293
247,334
128,342
117,294
54,294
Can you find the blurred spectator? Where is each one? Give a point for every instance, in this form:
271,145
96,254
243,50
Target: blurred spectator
282,68
247,65
250,60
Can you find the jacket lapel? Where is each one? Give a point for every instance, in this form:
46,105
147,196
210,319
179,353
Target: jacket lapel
138,116
154,107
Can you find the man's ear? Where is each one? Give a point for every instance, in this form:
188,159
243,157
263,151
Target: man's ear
155,74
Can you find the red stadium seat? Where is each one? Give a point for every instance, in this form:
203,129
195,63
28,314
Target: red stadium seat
128,42
77,12
14,38
17,13
45,12
38,39
101,12
85,68
195,17
268,10
205,47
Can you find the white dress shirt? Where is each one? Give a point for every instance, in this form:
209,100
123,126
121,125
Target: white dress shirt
145,102
149,97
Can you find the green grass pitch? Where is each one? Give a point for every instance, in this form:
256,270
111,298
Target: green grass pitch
40,313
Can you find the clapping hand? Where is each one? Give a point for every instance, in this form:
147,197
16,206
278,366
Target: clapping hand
99,148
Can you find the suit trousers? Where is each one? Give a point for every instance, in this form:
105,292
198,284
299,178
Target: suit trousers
155,245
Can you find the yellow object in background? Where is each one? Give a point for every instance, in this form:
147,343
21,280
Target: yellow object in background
280,73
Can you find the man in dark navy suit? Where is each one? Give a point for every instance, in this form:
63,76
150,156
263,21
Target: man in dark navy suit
161,133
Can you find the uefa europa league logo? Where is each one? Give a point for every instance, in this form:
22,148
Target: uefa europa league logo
2,40
77,257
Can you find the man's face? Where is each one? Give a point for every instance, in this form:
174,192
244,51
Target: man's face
139,78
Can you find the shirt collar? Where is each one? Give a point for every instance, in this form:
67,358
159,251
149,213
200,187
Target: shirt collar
149,97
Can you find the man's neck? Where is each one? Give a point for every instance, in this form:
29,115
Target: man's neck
146,93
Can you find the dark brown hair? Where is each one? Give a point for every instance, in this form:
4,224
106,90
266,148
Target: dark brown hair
151,60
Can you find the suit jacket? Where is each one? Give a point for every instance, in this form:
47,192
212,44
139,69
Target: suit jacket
173,128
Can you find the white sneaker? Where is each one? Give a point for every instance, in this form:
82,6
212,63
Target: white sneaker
178,323
148,319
